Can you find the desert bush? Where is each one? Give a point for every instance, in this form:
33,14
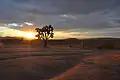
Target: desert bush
107,45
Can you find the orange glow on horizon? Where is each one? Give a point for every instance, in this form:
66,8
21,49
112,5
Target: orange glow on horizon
5,31
29,35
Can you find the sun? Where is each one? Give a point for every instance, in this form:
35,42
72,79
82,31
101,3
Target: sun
30,35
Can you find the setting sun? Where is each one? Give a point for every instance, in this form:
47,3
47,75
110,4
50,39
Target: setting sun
30,35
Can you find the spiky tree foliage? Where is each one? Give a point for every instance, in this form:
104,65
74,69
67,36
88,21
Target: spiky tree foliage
45,33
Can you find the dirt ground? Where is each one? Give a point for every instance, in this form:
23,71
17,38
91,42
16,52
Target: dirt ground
24,62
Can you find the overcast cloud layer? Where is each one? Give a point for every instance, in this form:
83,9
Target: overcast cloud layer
96,17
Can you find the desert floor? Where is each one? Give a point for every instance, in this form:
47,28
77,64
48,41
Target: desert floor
21,62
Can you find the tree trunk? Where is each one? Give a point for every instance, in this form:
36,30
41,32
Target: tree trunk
45,42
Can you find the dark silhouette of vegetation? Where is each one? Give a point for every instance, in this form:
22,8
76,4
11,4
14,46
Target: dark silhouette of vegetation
45,33
107,45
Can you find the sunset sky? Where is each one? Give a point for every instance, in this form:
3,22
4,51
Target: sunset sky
70,18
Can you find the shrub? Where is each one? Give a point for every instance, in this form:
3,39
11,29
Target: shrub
107,45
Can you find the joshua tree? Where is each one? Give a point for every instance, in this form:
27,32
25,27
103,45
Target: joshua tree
45,33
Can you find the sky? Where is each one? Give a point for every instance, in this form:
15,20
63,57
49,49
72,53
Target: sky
70,18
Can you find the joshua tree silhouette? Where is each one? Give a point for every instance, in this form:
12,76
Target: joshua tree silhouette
45,33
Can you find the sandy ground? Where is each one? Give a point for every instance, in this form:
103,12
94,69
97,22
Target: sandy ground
58,63
105,66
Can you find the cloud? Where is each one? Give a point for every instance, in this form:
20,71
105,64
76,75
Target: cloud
19,10
68,15
66,6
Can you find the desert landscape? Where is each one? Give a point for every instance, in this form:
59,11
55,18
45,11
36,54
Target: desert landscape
59,39
29,60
